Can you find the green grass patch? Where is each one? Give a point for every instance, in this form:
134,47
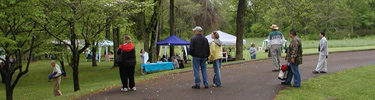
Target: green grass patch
351,84
35,85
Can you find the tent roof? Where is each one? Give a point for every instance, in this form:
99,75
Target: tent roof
173,40
105,42
225,38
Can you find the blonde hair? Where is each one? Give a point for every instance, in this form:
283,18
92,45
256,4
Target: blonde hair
216,34
127,39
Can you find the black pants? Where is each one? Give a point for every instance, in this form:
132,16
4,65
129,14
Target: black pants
127,73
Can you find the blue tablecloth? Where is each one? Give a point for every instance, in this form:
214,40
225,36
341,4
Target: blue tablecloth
158,66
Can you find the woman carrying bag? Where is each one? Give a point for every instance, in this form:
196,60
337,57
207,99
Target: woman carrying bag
127,64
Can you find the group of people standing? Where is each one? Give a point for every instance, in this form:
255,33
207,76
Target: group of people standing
294,54
202,52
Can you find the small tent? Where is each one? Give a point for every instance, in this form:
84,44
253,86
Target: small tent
173,41
225,38
106,44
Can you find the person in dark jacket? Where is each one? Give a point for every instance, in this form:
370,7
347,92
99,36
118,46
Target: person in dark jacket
127,66
200,50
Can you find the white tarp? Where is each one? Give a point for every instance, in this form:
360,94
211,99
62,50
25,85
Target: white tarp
225,38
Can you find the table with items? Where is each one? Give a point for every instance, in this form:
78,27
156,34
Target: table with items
157,66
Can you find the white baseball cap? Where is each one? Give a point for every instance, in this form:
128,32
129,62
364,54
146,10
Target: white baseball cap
197,28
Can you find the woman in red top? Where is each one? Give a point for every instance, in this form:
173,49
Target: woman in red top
127,66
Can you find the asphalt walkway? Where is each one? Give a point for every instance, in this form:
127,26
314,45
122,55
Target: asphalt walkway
252,80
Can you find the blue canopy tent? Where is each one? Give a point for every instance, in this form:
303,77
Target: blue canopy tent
173,41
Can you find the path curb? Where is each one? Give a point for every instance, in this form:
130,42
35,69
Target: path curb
240,62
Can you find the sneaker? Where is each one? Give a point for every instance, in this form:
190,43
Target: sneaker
196,87
323,72
134,89
296,86
315,72
206,87
283,83
213,85
124,89
276,70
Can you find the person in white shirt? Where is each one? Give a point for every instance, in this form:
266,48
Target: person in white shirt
56,78
144,59
321,67
275,40
144,56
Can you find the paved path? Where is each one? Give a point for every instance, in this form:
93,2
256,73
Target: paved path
247,81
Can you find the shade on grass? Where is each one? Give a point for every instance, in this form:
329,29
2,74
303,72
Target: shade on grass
350,84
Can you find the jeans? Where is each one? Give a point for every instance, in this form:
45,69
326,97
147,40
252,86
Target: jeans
202,63
294,71
254,57
217,65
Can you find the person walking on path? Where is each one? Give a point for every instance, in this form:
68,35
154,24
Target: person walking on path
215,57
56,78
323,55
294,58
275,40
127,66
253,51
199,49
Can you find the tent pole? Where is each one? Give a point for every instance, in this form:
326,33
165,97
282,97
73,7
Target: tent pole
187,58
106,55
165,50
161,47
179,49
100,50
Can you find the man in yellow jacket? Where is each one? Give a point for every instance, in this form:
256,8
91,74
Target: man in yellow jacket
215,57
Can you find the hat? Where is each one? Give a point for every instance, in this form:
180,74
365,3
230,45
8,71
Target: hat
273,26
197,28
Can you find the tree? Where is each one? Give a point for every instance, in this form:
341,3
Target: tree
240,28
18,37
152,29
171,24
82,22
209,17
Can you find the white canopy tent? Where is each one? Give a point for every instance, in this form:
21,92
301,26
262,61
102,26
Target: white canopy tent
225,38
105,43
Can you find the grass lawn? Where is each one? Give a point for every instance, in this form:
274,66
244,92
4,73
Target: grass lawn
35,85
351,84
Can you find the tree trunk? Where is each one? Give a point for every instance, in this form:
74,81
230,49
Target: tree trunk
152,29
62,66
108,30
143,30
94,54
116,44
171,24
240,20
75,61
9,90
75,56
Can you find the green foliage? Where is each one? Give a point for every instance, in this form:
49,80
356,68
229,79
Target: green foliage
258,30
344,85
